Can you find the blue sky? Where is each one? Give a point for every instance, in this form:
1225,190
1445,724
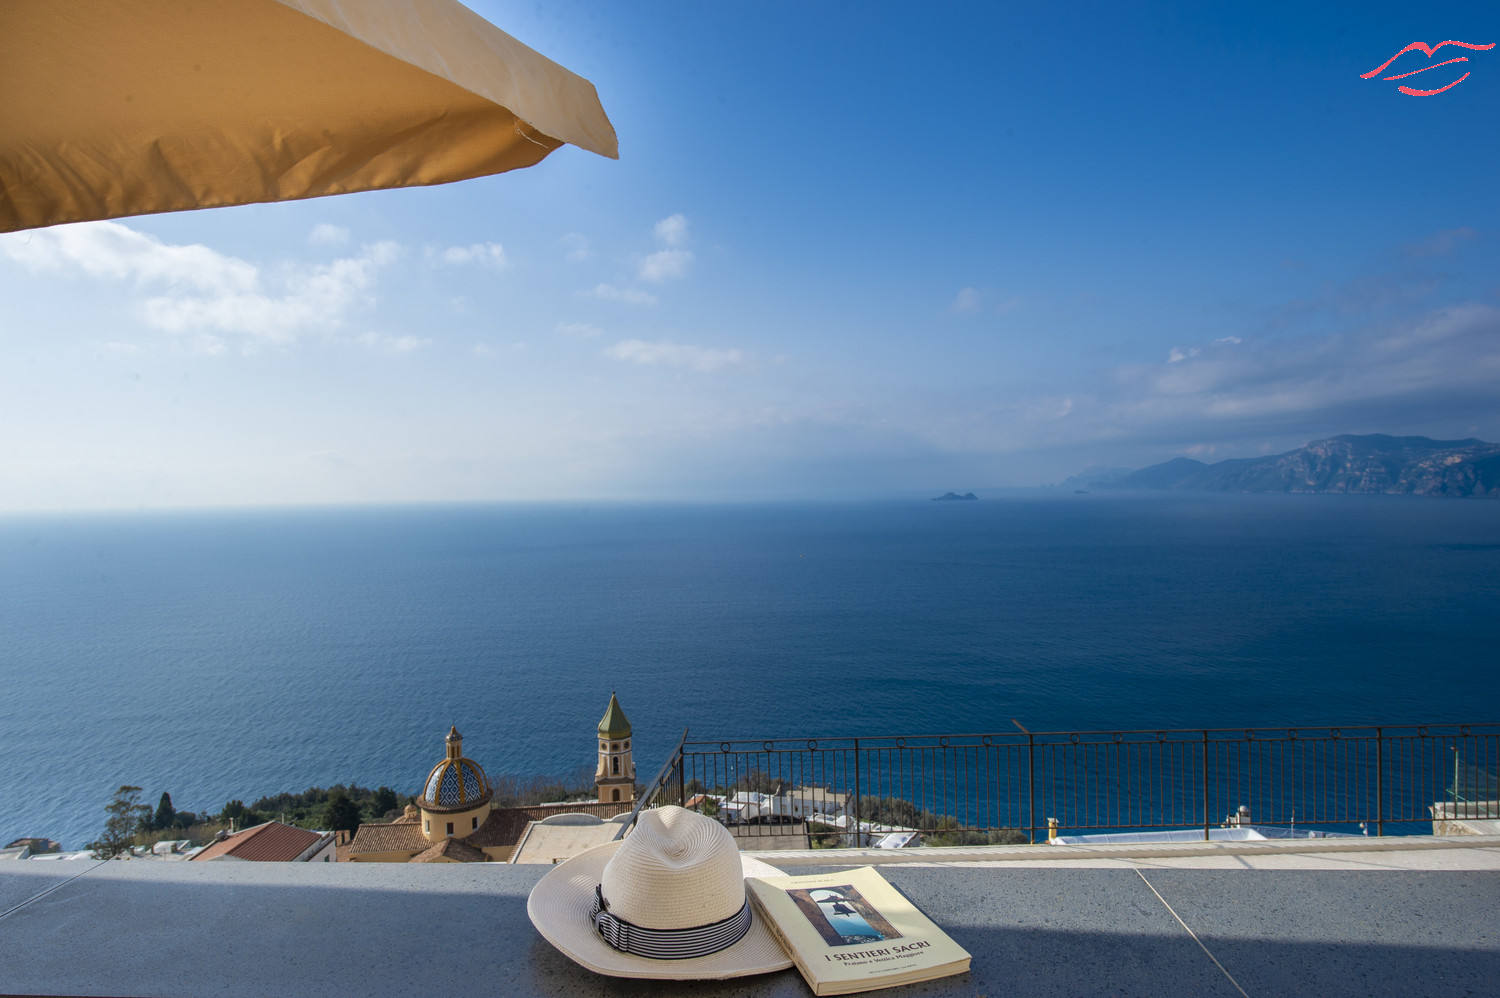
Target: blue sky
847,249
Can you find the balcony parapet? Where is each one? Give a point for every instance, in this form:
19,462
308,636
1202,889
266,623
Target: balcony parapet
144,928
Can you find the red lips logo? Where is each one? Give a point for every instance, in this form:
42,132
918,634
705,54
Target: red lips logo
1429,49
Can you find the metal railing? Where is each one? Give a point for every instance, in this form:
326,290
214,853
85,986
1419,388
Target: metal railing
1009,786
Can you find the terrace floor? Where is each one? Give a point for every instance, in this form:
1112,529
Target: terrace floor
1384,917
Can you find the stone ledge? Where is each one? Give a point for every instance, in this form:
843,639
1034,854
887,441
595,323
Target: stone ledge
1119,851
142,928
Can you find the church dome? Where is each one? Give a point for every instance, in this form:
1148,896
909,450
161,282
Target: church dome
456,783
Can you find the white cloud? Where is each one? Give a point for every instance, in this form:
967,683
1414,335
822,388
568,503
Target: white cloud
485,350
581,330
485,254
665,265
966,302
672,230
577,247
970,301
207,294
314,300
391,344
324,234
668,354
112,250
1442,242
608,292
1445,361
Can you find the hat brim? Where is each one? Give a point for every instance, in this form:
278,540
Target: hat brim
559,907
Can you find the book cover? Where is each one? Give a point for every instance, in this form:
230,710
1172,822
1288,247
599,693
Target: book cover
852,931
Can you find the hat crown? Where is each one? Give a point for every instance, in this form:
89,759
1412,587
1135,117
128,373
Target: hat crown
675,870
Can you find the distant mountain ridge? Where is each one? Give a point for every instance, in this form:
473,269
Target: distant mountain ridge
1373,463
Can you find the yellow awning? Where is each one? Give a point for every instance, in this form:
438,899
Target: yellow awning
111,108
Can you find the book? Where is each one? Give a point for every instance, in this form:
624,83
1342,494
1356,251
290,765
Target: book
852,931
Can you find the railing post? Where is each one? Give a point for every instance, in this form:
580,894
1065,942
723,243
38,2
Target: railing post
1030,778
1031,783
1205,786
857,840
1458,788
1379,782
681,776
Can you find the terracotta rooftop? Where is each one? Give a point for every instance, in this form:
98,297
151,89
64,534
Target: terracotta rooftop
456,850
272,842
398,836
502,828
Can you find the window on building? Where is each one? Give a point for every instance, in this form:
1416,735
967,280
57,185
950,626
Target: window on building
627,744
614,746
476,822
426,824
614,794
450,828
614,765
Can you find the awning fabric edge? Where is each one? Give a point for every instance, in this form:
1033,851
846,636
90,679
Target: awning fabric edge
447,39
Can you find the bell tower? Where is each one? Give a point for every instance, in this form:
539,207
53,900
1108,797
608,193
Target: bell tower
615,776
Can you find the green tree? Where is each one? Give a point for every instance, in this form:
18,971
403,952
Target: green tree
166,814
127,816
758,782
382,802
823,836
893,811
242,817
951,835
340,813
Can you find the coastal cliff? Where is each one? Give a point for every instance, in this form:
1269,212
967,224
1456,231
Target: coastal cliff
1373,463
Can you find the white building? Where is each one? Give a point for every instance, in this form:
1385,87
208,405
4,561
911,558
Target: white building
747,805
804,802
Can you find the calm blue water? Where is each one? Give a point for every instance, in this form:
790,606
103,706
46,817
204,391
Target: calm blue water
222,655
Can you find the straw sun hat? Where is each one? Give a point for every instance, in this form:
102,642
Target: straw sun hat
667,902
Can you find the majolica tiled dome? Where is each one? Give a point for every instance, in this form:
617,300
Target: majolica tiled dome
456,783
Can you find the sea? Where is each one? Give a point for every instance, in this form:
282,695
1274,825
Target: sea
232,654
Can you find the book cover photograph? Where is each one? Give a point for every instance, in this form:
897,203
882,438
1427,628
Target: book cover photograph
841,915
852,931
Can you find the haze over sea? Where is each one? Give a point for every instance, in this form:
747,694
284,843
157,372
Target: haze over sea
222,655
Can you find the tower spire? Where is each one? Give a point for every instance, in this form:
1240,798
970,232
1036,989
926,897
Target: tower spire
615,776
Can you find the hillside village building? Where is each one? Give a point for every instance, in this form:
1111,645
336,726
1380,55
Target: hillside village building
272,842
454,820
